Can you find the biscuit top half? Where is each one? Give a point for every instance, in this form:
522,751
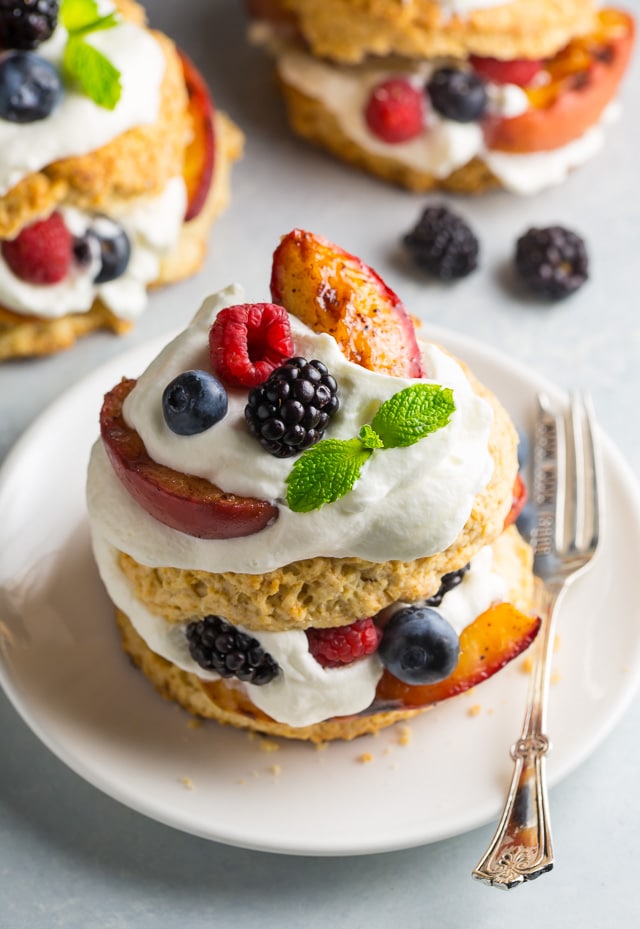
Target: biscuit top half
351,30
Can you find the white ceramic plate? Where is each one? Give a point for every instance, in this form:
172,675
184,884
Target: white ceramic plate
62,667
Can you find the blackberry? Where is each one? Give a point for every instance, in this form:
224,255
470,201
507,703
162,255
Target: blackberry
447,583
443,244
552,261
25,24
457,95
292,409
218,646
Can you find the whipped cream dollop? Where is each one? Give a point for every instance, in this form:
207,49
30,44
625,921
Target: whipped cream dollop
153,227
446,145
77,125
408,502
304,692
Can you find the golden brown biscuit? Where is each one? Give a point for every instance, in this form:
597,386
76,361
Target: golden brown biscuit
227,703
349,30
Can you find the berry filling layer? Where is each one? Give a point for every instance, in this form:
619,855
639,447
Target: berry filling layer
60,265
302,677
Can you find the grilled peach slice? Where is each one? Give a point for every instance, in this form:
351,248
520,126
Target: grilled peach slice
187,503
199,160
492,640
333,291
580,82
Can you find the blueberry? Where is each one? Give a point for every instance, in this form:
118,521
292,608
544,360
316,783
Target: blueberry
30,87
86,251
419,646
193,402
457,95
115,249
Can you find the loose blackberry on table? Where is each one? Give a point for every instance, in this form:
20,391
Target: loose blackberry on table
292,409
443,244
552,261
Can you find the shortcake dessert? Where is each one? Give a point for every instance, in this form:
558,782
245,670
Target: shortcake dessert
113,165
304,514
458,94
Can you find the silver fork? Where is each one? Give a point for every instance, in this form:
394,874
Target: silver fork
565,493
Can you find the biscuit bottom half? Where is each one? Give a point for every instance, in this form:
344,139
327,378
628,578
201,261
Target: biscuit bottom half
228,702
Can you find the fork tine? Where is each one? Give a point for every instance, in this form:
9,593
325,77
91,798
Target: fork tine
592,486
582,513
575,474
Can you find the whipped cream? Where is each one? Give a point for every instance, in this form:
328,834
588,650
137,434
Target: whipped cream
464,7
77,125
304,692
408,502
153,226
446,145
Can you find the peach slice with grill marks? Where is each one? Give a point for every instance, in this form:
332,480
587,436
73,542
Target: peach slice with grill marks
335,292
490,642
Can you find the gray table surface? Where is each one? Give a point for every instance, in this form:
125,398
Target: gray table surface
72,857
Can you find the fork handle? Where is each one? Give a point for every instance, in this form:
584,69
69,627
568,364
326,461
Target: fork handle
521,848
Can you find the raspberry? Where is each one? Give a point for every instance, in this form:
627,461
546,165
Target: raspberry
249,341
552,262
520,71
26,23
443,244
395,111
292,409
41,253
218,646
343,644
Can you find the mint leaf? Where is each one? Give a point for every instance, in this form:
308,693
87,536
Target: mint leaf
105,22
324,473
78,14
412,414
370,438
99,79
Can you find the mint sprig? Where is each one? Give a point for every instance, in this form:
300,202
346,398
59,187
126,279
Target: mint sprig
324,473
412,414
98,77
329,470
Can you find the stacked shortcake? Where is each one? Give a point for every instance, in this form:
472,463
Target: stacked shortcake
113,165
457,94
304,515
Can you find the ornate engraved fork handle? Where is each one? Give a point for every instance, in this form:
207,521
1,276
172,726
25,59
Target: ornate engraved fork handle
521,848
